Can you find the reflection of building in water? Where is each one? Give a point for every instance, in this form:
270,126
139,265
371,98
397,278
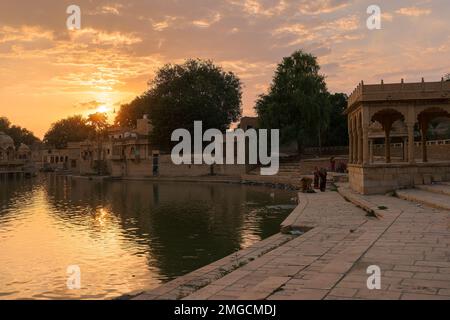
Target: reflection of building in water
14,161
390,126
184,226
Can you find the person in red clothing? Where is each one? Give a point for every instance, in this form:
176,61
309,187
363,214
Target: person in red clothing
333,164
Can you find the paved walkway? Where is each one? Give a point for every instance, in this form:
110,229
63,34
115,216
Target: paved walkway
410,243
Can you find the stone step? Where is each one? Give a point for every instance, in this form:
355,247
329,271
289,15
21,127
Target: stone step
435,200
436,188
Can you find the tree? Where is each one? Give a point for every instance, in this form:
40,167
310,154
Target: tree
130,112
5,124
447,77
181,94
337,133
18,134
98,121
297,102
71,129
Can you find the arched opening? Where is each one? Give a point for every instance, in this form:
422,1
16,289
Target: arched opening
430,121
387,118
10,154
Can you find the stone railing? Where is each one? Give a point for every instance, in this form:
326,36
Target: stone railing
417,144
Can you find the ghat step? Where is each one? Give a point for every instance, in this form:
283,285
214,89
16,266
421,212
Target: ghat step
441,188
432,199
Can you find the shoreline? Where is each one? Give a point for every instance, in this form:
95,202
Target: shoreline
185,285
202,179
346,233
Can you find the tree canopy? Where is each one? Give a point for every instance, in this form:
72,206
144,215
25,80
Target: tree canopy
17,133
71,129
99,121
130,112
180,94
337,132
297,102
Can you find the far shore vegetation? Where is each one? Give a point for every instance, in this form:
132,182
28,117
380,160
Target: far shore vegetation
297,102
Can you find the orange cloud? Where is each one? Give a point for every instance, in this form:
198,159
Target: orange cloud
413,11
322,6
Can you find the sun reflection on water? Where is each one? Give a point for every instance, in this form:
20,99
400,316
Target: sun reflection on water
125,236
101,217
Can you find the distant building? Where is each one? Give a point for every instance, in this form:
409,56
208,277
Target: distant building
67,159
14,162
249,123
130,153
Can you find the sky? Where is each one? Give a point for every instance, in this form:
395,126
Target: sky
48,72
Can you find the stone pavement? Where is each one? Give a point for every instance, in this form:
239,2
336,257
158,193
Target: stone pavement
409,242
437,196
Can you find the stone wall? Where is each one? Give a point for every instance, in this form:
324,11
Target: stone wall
144,168
435,151
378,179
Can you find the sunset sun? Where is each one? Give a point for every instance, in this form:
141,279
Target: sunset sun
103,109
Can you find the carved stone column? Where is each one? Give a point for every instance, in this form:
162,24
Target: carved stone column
366,151
411,143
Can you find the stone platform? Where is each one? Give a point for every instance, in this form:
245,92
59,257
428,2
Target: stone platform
383,178
410,243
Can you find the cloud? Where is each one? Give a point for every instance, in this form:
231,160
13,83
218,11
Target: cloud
413,12
205,23
321,6
24,34
90,105
262,7
112,9
386,16
332,31
123,42
98,37
161,25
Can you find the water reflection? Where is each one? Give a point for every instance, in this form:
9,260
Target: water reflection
124,236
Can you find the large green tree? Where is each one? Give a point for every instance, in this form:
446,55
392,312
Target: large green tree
297,102
17,133
130,112
98,121
337,132
71,129
196,90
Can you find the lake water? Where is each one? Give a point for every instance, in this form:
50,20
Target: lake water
124,236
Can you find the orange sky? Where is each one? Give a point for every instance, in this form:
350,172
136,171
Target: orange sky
48,72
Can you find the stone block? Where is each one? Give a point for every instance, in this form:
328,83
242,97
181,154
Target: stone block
418,179
427,179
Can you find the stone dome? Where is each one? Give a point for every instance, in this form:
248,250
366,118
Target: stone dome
23,148
6,141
